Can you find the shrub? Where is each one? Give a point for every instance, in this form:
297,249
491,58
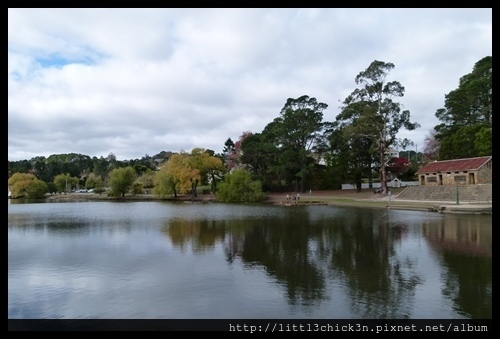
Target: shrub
238,187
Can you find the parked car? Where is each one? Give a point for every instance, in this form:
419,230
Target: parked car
377,190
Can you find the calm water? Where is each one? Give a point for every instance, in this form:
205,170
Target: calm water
163,260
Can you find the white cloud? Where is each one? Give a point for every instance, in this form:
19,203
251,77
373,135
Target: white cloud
142,81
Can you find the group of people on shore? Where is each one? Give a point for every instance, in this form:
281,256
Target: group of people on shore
294,197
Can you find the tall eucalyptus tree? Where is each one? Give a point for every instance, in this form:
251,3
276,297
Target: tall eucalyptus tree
371,113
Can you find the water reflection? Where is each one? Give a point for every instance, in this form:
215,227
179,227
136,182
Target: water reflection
201,235
464,246
470,234
314,261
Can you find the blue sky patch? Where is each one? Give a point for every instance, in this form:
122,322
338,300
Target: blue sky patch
60,62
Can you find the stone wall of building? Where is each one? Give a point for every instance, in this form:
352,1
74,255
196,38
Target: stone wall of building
485,175
482,176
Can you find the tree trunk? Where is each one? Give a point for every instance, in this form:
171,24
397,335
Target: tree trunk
383,174
370,175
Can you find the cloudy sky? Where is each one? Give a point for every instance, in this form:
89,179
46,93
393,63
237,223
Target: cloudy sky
140,81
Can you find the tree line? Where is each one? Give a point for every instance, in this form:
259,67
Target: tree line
297,151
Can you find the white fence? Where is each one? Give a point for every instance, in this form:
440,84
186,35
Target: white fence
392,183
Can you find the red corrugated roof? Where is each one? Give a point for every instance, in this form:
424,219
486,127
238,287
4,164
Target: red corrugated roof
470,164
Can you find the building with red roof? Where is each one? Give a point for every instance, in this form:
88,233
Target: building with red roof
470,171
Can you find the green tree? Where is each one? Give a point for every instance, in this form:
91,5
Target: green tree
461,144
164,183
147,179
297,132
39,166
27,185
207,165
372,112
65,182
93,181
483,141
227,151
37,189
137,188
467,109
21,166
215,169
182,173
351,149
121,180
197,162
263,159
100,166
238,187
51,187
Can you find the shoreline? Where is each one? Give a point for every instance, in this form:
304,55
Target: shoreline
348,198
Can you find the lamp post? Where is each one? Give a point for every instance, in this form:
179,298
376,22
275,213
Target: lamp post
457,194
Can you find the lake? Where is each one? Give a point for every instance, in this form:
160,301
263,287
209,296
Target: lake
167,260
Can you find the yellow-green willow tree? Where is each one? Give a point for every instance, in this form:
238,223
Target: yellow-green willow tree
184,172
26,185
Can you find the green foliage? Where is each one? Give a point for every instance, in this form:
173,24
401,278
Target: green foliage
288,150
410,174
227,151
185,171
468,109
51,187
288,142
65,182
36,189
99,190
121,180
147,179
78,165
137,188
326,178
27,185
93,181
22,166
238,187
164,183
483,142
371,120
461,144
